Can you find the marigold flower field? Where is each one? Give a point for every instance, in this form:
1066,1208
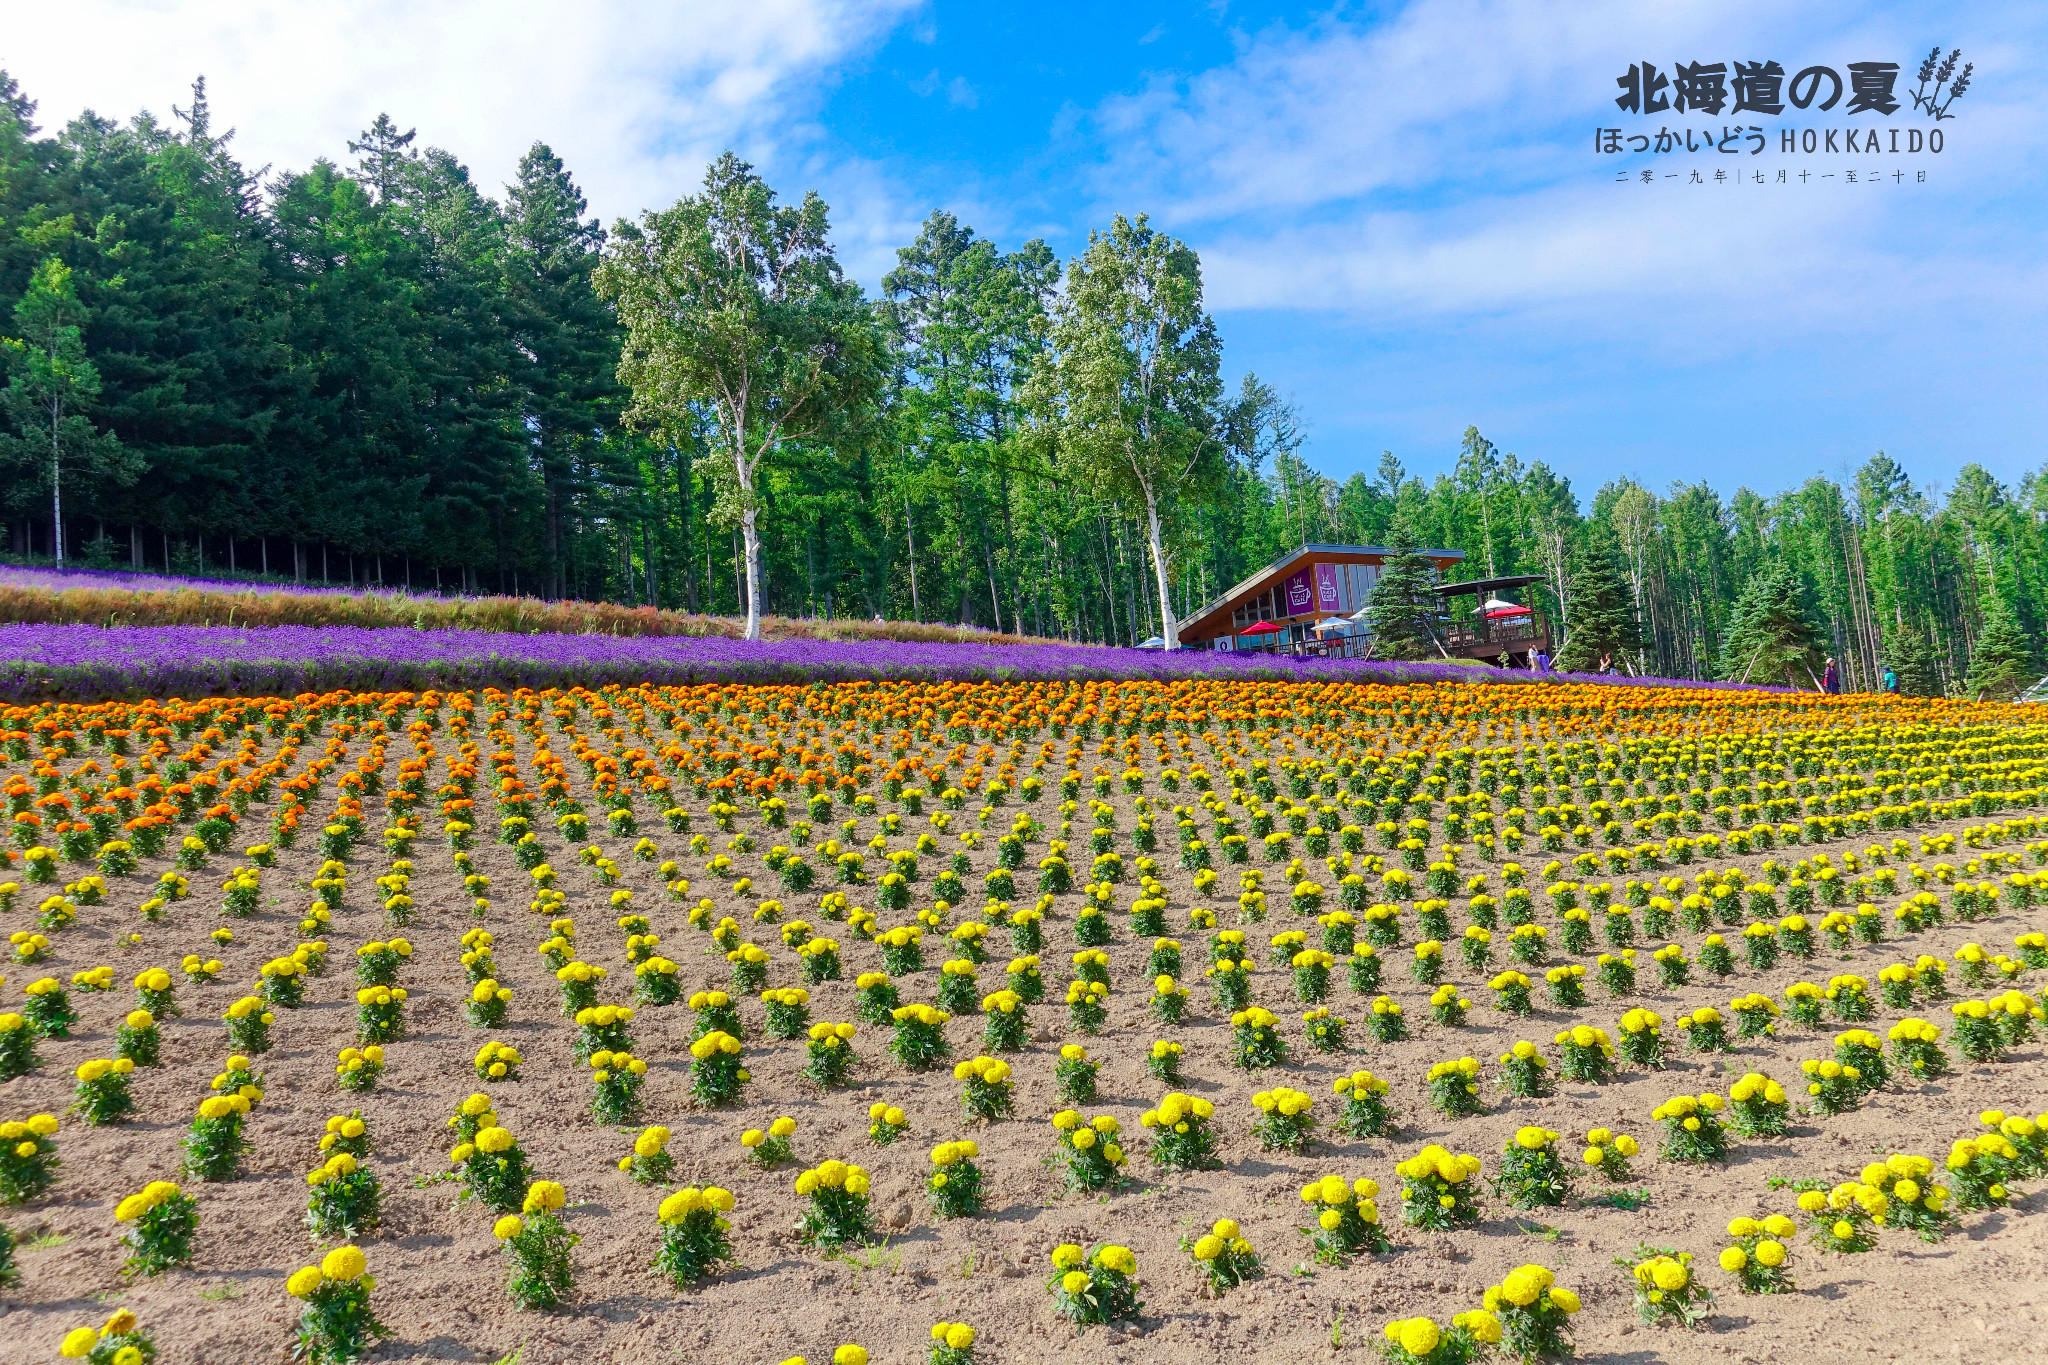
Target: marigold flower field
884,1021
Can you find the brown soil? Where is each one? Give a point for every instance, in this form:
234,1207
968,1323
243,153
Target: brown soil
1978,1296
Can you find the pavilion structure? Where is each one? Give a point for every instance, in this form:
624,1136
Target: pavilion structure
1501,630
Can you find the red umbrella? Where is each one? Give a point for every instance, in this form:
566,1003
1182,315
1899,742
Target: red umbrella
1494,608
1261,628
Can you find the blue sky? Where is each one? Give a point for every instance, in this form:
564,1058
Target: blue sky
1402,219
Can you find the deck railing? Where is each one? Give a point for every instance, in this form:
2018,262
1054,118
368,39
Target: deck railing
1512,634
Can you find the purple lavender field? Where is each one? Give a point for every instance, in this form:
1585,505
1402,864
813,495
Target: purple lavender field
91,662
61,580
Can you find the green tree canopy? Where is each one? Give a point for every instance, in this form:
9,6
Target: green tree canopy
51,390
736,306
1912,658
1129,400
968,322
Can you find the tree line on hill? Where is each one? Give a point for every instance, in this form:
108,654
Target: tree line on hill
377,371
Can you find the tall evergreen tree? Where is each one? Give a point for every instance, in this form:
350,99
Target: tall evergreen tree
355,441
472,454
1770,638
1402,610
188,322
967,321
1603,621
385,158
1912,660
2003,664
568,340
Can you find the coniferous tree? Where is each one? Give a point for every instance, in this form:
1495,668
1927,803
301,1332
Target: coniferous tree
967,321
188,320
472,455
385,158
2002,665
1401,609
354,441
568,340
1912,660
1770,638
1603,615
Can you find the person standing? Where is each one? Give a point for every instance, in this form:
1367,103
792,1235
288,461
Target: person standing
1891,680
1540,661
1831,679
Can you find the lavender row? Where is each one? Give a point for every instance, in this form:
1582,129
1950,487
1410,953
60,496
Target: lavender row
90,662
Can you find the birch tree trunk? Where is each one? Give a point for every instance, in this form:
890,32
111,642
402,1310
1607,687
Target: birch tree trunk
1169,630
750,533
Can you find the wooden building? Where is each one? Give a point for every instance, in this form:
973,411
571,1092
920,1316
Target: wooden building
1304,602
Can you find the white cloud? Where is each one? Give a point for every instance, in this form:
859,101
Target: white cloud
635,96
1437,164
959,91
1338,109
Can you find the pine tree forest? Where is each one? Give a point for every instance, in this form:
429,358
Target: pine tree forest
376,371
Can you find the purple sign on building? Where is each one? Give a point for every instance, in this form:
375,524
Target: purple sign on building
1298,593
1310,590
1326,588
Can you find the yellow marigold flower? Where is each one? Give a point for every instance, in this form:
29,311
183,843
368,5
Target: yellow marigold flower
1520,1289
343,1263
1419,1336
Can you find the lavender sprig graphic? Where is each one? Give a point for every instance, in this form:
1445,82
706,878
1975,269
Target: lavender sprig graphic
1939,70
1955,91
1926,75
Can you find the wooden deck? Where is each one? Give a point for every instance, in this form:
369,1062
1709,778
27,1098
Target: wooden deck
1516,636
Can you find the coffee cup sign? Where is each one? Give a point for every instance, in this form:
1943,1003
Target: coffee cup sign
1300,595
1326,588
